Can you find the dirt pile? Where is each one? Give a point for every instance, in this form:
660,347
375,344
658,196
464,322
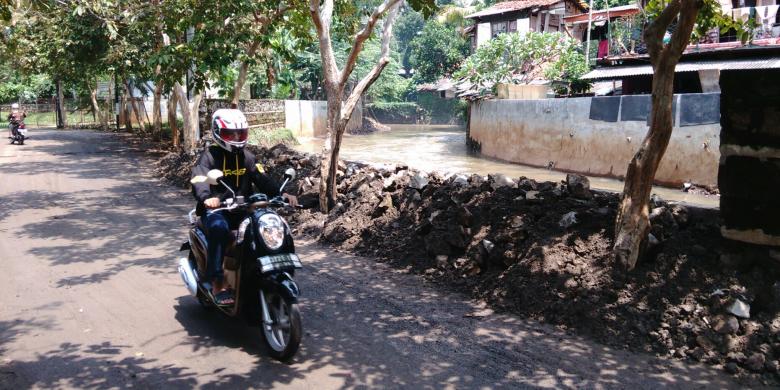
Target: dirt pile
542,250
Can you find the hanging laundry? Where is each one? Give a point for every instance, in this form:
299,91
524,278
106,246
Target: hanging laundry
726,6
766,15
742,14
603,49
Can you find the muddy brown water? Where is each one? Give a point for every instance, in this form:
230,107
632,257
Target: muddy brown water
443,148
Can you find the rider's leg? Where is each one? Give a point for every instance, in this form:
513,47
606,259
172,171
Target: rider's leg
217,235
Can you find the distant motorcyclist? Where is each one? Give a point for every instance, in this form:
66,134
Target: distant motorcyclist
230,131
15,118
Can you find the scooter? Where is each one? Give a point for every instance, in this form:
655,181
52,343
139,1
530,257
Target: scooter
18,132
260,265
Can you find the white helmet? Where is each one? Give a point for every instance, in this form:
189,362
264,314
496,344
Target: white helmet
15,106
229,129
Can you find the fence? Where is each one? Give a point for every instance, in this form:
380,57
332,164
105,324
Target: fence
44,114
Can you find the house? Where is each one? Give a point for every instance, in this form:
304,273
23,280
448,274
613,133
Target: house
521,16
601,24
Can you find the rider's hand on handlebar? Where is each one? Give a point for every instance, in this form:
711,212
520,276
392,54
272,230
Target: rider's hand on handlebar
291,199
212,203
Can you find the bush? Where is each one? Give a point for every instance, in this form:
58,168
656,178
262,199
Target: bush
520,59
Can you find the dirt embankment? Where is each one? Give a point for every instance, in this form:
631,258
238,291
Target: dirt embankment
542,250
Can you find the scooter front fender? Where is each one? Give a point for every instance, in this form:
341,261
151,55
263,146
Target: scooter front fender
285,285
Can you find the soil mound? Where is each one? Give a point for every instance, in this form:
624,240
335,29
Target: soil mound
542,250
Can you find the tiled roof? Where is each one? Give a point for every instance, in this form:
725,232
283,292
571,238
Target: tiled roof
516,5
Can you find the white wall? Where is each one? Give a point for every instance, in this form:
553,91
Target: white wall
309,118
536,132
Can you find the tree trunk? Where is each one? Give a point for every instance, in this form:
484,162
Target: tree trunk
134,107
63,112
339,110
270,74
157,113
190,113
243,71
330,154
124,111
96,109
633,224
172,122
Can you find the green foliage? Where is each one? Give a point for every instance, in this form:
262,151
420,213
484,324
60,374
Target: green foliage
21,88
406,28
442,111
710,16
390,86
519,59
604,4
437,52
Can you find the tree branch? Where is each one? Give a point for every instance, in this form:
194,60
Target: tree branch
322,17
654,33
266,20
384,59
361,37
682,35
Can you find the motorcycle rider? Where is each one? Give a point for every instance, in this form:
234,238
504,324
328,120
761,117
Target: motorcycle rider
230,131
15,117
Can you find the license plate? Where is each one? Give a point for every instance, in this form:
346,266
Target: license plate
284,262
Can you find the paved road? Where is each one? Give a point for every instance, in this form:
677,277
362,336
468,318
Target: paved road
90,298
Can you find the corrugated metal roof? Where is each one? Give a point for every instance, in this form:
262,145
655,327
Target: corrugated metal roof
638,70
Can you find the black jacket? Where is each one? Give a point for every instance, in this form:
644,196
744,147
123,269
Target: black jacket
240,170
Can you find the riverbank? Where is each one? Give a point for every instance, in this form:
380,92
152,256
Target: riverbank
542,250
434,147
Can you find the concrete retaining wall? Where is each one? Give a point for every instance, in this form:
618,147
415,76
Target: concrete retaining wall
305,118
309,118
599,136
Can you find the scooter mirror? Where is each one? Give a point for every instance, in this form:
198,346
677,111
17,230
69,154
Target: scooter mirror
289,174
213,176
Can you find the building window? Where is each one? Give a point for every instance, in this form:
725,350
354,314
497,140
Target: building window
512,26
497,28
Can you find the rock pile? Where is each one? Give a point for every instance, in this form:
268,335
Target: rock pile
543,250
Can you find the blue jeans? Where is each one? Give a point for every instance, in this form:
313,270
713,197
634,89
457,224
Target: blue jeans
217,226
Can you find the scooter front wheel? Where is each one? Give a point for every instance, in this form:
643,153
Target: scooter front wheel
281,326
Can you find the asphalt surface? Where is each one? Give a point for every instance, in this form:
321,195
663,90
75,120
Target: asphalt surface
90,298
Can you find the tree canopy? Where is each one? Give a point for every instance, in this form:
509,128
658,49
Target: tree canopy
437,51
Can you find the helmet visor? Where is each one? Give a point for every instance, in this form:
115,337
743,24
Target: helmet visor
234,135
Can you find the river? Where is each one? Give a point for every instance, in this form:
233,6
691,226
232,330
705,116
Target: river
443,148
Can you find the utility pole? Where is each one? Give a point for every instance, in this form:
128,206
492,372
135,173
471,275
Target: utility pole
587,45
116,101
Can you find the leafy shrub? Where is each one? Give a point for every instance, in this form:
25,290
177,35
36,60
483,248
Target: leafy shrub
518,59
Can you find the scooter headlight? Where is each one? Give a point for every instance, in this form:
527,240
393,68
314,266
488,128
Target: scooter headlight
271,228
